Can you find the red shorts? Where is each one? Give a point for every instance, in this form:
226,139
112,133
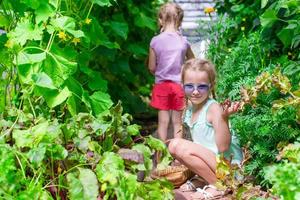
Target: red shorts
167,95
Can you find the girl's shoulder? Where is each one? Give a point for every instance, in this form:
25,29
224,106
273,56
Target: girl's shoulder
213,106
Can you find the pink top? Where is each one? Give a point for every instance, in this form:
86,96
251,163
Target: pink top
170,50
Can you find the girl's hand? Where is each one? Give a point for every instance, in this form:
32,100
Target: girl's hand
230,108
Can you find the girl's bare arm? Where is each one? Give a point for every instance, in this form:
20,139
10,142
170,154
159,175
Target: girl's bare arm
220,124
152,61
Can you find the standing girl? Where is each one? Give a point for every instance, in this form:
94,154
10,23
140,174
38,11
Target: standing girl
167,53
208,126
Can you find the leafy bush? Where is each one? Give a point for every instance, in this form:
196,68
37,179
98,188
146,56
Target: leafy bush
286,175
77,158
259,66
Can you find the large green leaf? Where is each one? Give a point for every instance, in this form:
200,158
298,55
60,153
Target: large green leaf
75,189
97,36
53,97
83,185
264,3
43,80
141,20
96,81
25,58
286,36
59,65
24,31
43,12
137,49
102,2
68,24
36,155
4,21
100,102
31,137
109,168
34,4
57,98
25,72
72,105
268,18
89,182
119,28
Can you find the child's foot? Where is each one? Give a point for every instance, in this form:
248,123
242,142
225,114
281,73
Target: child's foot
192,184
208,192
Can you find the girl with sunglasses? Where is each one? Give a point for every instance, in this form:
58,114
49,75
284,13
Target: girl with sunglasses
207,123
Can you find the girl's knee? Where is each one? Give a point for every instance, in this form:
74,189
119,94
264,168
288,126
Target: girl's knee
173,146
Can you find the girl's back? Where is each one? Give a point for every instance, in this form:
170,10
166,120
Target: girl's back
170,50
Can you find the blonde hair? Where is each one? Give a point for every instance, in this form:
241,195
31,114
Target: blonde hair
170,13
201,65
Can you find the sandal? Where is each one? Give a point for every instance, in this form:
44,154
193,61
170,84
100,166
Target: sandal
204,194
192,184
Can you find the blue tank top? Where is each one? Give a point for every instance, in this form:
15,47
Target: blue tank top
202,132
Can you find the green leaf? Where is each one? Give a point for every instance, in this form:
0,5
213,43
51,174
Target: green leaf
4,21
75,190
89,183
237,8
56,152
72,106
25,30
59,65
119,28
23,138
58,98
36,155
27,58
264,3
102,2
286,36
31,137
67,24
109,168
137,50
268,18
100,102
34,4
133,129
96,82
98,37
43,12
43,80
141,20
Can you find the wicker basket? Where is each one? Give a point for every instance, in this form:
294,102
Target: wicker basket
177,175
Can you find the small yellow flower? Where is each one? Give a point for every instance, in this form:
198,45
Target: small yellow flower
209,10
243,28
244,19
9,44
229,49
76,41
87,20
62,35
289,53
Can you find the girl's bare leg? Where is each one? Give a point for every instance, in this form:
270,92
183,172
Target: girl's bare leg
196,157
163,123
176,120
